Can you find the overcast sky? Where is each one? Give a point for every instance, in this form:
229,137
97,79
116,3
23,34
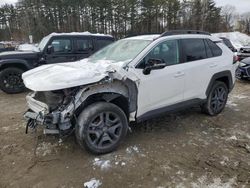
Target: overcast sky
241,5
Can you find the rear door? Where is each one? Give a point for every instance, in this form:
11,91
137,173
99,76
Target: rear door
62,50
200,63
83,47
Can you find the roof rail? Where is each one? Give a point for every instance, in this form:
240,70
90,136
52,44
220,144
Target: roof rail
138,34
182,32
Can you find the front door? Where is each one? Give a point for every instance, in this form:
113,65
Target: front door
163,87
61,51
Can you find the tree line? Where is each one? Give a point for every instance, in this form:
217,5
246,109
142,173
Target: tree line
119,18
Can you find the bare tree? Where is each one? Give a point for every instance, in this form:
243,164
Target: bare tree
228,13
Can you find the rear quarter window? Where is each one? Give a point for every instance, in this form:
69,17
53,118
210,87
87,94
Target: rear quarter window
216,51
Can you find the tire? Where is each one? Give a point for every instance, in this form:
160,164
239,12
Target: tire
101,127
217,99
11,80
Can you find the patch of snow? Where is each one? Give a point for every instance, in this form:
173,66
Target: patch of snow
224,161
45,148
5,129
102,164
232,138
93,183
240,96
217,183
27,47
132,149
231,103
79,33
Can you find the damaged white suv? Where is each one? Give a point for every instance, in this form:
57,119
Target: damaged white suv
133,79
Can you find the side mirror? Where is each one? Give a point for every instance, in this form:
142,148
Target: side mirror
50,49
153,64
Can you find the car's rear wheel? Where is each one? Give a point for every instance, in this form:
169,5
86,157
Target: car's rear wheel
101,127
217,99
11,80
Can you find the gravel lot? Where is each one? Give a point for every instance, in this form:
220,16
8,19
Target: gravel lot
186,149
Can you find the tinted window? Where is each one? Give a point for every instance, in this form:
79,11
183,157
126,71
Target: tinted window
194,49
61,45
102,43
83,45
214,48
208,50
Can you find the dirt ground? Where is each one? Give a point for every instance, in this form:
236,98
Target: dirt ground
186,149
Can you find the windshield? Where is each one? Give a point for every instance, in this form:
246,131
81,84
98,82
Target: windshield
120,51
43,43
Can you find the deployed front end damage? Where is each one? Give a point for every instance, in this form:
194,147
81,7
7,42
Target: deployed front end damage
58,110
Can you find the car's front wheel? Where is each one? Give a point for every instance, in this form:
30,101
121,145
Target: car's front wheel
11,80
217,99
101,127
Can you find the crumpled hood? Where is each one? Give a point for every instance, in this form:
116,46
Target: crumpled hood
66,75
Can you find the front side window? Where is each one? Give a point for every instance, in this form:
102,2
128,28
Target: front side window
61,45
167,52
194,49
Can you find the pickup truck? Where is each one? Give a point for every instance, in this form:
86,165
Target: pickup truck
54,48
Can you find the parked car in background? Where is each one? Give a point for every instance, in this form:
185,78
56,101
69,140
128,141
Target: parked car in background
228,43
133,79
243,71
244,52
54,48
4,48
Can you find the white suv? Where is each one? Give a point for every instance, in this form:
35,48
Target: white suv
133,79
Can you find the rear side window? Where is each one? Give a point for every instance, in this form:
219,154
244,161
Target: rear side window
216,51
194,49
83,45
100,43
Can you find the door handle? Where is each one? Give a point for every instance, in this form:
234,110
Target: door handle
213,65
179,74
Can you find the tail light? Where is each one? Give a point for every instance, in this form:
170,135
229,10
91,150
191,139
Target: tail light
235,59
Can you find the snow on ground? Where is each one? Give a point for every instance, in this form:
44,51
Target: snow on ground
108,161
217,183
132,149
238,39
93,183
103,164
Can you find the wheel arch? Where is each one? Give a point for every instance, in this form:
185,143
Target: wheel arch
224,76
21,64
121,93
